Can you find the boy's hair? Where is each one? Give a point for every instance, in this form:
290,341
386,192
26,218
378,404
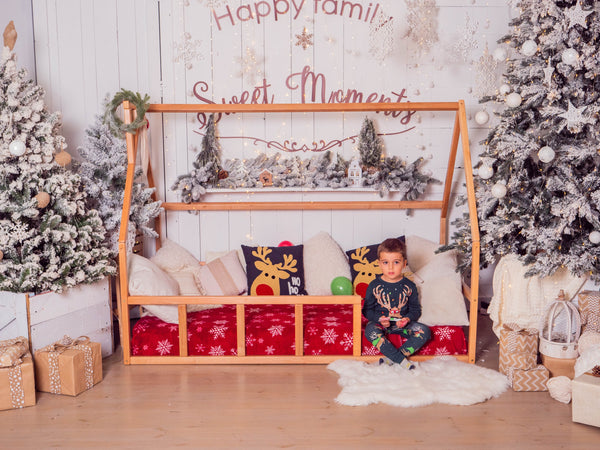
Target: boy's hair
392,245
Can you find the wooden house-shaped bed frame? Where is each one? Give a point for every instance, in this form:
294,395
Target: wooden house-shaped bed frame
126,301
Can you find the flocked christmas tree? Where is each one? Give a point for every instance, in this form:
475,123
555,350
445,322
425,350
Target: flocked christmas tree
370,145
103,169
49,240
537,182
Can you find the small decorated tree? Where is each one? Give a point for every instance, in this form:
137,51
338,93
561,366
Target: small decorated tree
49,240
103,169
370,145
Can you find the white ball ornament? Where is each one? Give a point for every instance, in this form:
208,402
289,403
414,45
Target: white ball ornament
485,171
482,117
546,154
529,48
16,148
513,100
595,237
570,56
500,54
504,89
499,190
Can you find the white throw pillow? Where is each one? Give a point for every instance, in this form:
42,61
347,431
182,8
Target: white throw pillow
324,260
222,276
172,257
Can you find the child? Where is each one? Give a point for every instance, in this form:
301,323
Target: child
392,306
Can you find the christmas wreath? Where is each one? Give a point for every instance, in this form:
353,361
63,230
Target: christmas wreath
115,123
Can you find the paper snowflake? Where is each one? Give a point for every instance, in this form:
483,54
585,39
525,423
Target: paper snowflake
577,16
468,41
421,18
304,39
381,36
212,4
575,117
187,50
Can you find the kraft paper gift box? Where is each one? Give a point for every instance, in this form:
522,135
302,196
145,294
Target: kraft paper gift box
69,366
518,349
17,379
586,399
532,380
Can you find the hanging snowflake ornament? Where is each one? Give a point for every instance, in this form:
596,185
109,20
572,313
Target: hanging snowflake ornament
468,41
304,39
422,23
251,65
577,16
187,50
381,36
212,4
486,79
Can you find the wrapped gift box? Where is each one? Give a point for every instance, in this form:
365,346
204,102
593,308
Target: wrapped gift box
17,384
559,366
68,367
519,360
589,310
586,399
532,380
518,349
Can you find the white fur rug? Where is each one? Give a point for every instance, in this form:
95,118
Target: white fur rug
439,380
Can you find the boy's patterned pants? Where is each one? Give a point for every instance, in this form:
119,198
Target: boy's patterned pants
416,334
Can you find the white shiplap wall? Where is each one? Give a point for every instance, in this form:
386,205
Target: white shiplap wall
86,49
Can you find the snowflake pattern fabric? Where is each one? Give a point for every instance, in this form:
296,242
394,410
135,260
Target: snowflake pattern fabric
270,331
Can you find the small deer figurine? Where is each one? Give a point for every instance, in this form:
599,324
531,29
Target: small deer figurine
267,283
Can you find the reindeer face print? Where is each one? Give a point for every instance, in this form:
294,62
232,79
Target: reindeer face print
366,270
274,271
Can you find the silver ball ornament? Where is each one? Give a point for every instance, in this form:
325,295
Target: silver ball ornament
16,148
504,89
499,190
485,171
595,237
529,48
513,100
500,54
482,117
546,154
570,56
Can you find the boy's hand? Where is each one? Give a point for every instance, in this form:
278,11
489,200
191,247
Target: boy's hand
401,323
385,321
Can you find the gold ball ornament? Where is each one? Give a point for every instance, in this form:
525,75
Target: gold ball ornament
62,158
43,199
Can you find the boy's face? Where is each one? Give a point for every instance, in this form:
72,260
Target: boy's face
392,264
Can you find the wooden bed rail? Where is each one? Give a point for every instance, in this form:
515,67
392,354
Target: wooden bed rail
460,133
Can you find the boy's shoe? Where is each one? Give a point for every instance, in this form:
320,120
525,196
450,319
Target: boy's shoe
386,360
406,364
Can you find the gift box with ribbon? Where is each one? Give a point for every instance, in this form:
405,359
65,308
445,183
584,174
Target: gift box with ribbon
69,366
532,380
518,349
17,380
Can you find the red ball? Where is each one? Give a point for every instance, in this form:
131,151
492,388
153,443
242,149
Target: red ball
285,244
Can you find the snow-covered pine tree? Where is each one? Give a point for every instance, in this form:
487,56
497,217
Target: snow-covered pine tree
49,240
537,182
370,145
103,169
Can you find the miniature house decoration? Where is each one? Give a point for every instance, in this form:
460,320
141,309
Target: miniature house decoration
560,329
266,178
355,173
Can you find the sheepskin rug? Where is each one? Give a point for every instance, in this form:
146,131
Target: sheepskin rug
439,380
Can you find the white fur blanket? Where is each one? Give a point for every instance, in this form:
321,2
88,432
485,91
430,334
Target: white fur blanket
522,301
439,380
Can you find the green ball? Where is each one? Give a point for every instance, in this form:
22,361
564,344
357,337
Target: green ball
341,286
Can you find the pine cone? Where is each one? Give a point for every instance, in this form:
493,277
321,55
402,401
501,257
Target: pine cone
596,371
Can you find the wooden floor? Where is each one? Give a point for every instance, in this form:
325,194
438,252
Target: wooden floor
279,407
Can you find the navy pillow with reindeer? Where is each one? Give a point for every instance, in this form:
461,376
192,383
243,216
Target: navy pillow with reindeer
275,270
364,266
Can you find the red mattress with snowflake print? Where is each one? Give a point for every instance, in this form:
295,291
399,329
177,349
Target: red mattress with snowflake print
270,331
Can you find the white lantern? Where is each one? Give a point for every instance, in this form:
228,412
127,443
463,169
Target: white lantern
504,89
500,54
570,56
482,117
560,329
485,171
595,237
546,154
16,148
513,100
529,48
499,189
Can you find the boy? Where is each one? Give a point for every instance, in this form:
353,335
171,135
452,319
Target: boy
392,306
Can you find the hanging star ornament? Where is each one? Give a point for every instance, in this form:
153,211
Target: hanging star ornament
304,39
577,16
575,118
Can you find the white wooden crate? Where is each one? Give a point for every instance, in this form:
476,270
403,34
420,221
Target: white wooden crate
84,310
